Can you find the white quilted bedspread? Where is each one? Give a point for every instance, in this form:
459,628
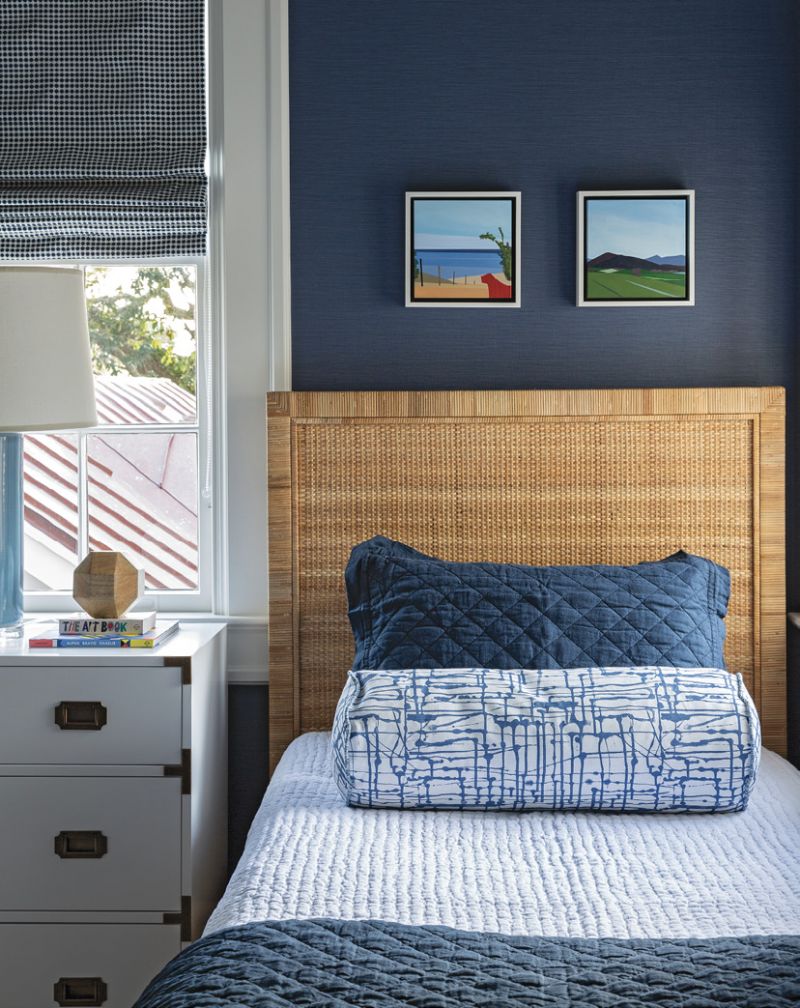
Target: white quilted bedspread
536,873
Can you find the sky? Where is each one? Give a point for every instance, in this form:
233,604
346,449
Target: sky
636,227
456,224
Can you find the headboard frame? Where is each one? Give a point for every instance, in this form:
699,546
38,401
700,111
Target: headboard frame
542,477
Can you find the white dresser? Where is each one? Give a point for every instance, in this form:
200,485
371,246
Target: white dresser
113,814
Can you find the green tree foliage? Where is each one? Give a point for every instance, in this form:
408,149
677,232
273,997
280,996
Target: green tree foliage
135,328
505,250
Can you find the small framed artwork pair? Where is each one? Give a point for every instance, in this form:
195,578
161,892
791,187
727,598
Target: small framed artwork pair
463,250
635,249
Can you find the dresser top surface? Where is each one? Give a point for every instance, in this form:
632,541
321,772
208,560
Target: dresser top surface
190,638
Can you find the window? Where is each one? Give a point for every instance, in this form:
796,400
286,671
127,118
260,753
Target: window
132,483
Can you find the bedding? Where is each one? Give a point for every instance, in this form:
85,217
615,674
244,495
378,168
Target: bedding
409,610
330,963
554,874
339,906
620,739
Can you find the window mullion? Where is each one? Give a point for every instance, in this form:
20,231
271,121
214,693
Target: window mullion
83,495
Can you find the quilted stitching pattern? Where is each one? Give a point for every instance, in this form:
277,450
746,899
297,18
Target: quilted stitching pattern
408,610
575,874
374,964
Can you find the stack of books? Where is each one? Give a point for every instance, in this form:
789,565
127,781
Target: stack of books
141,630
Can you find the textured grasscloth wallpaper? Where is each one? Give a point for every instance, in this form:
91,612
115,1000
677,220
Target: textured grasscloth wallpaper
247,761
545,97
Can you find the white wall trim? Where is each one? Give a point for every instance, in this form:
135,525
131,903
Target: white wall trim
280,286
246,654
248,164
216,303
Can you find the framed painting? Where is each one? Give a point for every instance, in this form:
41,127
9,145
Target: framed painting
462,250
636,248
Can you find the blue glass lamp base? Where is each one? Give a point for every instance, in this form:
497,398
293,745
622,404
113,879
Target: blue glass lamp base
11,537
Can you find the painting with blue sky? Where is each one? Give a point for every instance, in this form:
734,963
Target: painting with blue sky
462,248
636,248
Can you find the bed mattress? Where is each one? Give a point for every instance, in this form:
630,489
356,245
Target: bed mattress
565,874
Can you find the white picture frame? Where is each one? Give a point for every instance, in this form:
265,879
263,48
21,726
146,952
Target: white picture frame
599,213
457,274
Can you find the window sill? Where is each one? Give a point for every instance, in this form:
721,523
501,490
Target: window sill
184,617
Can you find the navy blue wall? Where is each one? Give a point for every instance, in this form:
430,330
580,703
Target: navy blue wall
545,97
248,761
548,98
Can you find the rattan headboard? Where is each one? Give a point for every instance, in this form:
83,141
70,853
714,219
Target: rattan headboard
527,477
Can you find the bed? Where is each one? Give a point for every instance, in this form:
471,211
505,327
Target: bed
332,905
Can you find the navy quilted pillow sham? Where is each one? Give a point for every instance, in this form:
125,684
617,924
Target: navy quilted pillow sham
409,610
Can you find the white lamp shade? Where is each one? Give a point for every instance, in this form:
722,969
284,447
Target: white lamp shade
46,378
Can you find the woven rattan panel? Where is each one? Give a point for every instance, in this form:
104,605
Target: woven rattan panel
549,493
542,489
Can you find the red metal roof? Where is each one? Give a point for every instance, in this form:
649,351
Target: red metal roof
142,488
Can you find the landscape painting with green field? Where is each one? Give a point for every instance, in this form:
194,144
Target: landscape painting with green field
636,249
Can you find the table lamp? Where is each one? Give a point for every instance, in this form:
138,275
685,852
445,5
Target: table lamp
46,384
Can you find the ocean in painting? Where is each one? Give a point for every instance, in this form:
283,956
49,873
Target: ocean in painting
461,262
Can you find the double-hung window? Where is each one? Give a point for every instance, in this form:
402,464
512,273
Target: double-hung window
103,163
135,483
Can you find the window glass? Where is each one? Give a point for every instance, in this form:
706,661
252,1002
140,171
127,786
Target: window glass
142,501
50,468
115,488
143,328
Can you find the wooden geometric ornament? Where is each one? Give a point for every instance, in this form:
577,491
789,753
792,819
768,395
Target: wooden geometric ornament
106,584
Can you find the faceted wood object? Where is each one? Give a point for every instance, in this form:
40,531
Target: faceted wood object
106,585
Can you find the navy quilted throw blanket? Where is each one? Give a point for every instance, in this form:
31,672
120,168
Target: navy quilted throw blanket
372,964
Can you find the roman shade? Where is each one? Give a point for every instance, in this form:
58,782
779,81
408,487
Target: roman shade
103,135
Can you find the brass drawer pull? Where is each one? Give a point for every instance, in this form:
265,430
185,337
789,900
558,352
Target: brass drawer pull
81,844
81,715
80,991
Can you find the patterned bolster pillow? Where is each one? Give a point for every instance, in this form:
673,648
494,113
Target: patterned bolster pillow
653,739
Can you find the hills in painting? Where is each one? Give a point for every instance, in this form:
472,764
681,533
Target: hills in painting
613,277
614,260
674,260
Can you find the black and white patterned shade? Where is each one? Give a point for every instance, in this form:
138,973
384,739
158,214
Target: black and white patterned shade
102,129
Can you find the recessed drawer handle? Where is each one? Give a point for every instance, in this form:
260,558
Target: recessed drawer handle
81,715
77,991
81,844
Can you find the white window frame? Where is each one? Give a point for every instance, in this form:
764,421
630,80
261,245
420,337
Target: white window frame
248,274
200,599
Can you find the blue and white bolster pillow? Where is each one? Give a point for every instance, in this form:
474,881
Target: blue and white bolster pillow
656,739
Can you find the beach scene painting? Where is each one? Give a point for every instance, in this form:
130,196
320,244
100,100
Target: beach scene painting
636,248
462,249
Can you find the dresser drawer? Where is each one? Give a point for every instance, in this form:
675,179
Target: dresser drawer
122,957
119,713
90,843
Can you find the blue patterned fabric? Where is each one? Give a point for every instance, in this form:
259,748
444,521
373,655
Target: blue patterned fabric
409,610
326,963
627,739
